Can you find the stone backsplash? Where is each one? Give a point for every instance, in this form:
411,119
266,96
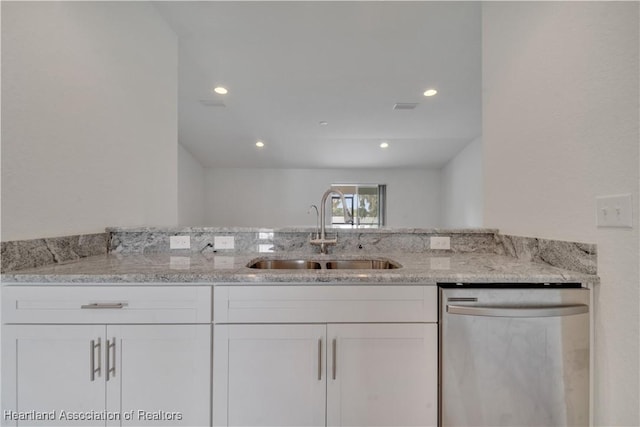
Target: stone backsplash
574,256
21,254
152,240
18,255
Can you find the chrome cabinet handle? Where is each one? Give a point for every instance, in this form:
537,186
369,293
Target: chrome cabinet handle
110,356
92,359
104,305
106,357
550,311
334,351
320,359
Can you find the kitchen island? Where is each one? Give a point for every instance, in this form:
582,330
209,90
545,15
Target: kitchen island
198,337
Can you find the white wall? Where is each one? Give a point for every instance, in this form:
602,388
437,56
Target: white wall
281,197
191,192
463,189
560,127
89,135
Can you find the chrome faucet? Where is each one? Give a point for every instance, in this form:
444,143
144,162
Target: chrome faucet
317,221
322,240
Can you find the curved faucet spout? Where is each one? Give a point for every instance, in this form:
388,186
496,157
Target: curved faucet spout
317,219
347,215
321,240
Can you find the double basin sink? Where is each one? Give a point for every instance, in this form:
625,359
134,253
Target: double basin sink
314,264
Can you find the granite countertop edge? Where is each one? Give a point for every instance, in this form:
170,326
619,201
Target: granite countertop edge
301,229
231,269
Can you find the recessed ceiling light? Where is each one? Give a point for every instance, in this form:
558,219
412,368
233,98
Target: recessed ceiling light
259,144
220,90
430,92
384,144
323,123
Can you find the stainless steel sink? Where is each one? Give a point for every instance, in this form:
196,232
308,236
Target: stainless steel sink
339,264
361,264
285,264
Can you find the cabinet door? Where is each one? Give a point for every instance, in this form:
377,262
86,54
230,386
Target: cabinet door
47,373
382,375
269,375
159,374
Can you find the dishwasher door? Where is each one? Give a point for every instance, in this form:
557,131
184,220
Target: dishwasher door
514,357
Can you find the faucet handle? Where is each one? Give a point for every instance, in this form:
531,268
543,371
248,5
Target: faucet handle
325,241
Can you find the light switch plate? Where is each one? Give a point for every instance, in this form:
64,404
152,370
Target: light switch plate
437,242
179,242
223,242
614,211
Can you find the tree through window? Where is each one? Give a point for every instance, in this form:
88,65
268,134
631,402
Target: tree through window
366,202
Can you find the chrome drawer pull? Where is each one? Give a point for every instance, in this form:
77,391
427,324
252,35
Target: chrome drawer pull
320,359
334,350
110,355
104,305
92,359
551,311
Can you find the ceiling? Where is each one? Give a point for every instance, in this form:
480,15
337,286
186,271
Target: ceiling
290,65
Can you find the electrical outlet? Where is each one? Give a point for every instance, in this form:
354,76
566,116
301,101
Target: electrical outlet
440,242
614,211
223,242
179,242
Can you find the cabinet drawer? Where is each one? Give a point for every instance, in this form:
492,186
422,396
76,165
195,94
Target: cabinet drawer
106,304
325,304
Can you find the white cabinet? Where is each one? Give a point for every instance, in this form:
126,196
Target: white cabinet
46,369
269,375
382,373
163,371
106,374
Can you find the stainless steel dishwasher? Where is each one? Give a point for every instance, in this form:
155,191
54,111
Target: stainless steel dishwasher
514,355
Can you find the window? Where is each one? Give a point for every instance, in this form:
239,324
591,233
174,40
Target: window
366,202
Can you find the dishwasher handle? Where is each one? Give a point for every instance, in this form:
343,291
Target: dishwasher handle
496,311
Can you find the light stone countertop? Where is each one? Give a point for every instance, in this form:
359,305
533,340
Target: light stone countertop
302,229
231,268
